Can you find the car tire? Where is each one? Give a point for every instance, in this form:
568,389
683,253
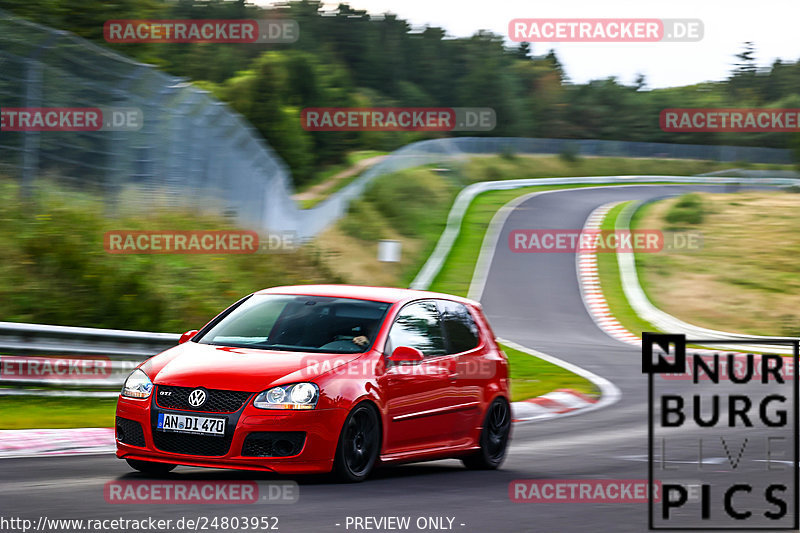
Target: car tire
151,468
494,438
359,444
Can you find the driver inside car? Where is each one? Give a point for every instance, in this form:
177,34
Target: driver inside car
353,341
361,340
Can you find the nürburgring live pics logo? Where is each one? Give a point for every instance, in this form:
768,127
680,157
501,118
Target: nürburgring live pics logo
722,434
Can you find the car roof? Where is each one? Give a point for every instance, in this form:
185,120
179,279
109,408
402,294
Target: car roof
361,292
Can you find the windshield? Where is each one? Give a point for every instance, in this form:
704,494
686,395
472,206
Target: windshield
300,323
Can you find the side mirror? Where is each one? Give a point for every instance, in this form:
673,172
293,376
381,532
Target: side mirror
188,335
406,354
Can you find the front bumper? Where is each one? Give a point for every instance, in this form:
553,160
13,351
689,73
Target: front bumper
316,453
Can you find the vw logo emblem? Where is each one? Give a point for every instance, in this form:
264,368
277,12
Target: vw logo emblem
197,397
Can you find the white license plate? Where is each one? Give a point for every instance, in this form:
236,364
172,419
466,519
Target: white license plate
198,425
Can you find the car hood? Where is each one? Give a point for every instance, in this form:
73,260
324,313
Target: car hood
244,369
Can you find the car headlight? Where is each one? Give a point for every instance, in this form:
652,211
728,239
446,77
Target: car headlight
138,385
296,396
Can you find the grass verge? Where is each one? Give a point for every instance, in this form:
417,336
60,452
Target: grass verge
531,377
32,412
539,166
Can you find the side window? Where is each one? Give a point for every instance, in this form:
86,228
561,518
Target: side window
462,332
418,326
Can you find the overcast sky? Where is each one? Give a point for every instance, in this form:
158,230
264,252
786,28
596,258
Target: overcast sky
773,25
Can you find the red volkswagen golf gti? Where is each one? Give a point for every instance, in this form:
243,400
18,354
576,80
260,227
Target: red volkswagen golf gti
319,379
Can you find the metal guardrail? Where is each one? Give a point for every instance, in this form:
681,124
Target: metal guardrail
50,356
25,338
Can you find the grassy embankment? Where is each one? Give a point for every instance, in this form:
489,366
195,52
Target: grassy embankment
744,278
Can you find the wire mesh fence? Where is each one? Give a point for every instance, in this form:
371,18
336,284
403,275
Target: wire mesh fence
193,150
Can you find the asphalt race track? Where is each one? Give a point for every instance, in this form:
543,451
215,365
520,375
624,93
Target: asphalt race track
532,299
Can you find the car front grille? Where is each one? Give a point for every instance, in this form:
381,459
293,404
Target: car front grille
130,432
191,444
219,401
273,443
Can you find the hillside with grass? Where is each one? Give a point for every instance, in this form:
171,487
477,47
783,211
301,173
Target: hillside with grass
54,268
745,278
